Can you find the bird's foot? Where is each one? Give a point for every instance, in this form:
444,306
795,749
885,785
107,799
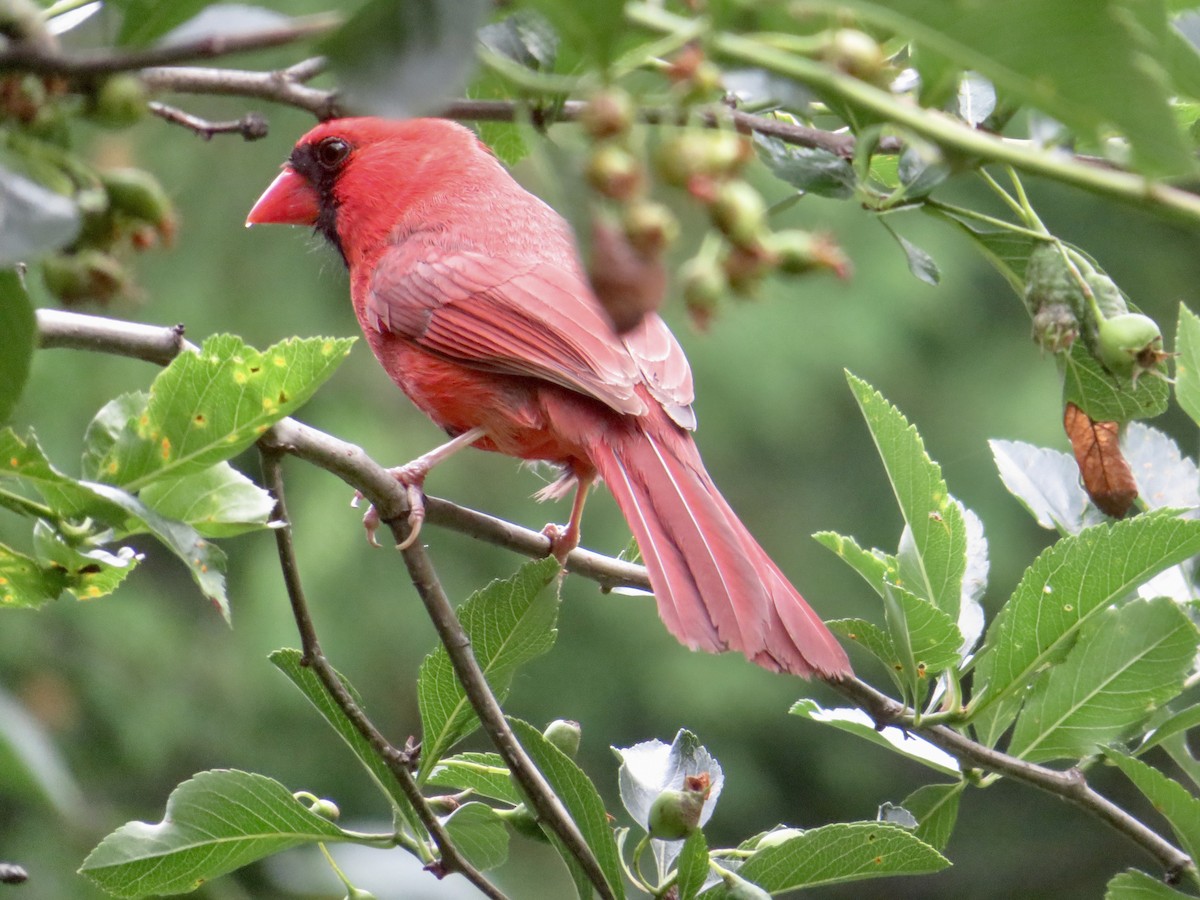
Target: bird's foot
563,539
412,477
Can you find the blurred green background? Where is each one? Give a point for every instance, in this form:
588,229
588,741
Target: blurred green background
139,691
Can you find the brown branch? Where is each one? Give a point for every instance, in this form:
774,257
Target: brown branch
252,126
62,329
277,87
25,57
396,760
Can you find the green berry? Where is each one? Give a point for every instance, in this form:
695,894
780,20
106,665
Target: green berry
614,172
740,212
674,815
90,275
119,101
609,114
650,227
1124,342
565,735
855,53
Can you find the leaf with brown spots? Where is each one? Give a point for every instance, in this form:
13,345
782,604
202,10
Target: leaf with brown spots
1106,475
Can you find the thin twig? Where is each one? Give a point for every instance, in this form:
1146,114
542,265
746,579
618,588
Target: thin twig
252,126
276,87
63,329
26,58
396,760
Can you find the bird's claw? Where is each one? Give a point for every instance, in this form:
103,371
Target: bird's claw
562,540
412,478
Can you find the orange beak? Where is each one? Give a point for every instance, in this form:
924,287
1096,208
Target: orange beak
290,200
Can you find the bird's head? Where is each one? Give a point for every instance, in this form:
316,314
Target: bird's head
352,179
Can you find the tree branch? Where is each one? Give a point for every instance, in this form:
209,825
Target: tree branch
252,126
24,57
64,329
397,761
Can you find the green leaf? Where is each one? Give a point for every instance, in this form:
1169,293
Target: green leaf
855,721
208,406
1006,249
479,834
90,571
873,565
1187,364
847,851
144,21
809,170
935,807
692,865
939,538
933,637
1169,797
1165,477
204,559
592,29
402,58
1127,662
24,468
1134,885
871,637
290,663
218,501
36,219
579,796
1179,722
1045,481
1087,65
214,823
510,622
1104,396
484,773
920,263
19,327
25,584
1067,584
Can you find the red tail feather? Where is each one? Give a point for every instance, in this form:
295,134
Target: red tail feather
716,587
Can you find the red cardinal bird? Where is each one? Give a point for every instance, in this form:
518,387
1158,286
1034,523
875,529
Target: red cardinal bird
470,292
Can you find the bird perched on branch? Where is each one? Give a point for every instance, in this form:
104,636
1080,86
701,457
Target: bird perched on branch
470,293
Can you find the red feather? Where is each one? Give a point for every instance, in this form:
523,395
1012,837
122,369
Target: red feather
470,292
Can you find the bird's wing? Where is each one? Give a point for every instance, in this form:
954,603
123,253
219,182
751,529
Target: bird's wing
525,317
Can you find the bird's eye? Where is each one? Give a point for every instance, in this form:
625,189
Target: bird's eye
332,152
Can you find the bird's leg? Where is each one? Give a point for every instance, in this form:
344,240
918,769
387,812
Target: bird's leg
564,540
412,476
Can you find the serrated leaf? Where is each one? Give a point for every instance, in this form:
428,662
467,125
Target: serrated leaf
402,58
24,465
975,579
808,169
976,98
692,865
1128,661
208,406
580,798
933,637
871,637
33,220
1168,797
1134,885
25,584
510,622
921,168
1068,584
846,851
1107,71
1104,396
216,822
218,501
1187,363
856,721
938,533
479,835
89,571
920,263
484,773
935,807
873,565
19,329
1176,723
650,767
290,663
204,559
1045,481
